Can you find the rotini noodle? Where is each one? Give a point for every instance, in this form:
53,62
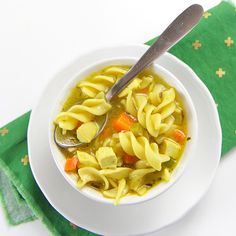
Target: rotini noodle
141,148
136,179
148,115
92,175
98,83
84,113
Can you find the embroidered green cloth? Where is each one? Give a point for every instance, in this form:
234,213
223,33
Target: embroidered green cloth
209,49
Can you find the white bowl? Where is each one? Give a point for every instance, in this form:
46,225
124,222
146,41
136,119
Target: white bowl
192,130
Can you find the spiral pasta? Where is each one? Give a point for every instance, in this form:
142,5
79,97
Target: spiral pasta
116,71
141,148
168,96
154,96
133,85
146,81
118,192
136,180
155,119
101,82
153,177
83,113
90,174
116,174
87,160
97,84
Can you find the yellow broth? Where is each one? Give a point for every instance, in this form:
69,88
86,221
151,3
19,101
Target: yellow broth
117,108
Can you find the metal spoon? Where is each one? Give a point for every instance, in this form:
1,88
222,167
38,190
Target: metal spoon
172,34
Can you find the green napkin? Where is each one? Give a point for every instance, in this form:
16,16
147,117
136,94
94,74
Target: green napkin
209,49
14,164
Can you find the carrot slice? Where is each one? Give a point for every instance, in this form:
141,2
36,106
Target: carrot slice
105,133
123,122
71,164
79,124
179,135
130,160
144,90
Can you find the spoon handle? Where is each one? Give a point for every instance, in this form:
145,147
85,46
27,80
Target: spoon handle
172,34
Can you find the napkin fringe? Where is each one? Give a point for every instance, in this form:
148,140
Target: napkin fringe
7,214
27,197
9,218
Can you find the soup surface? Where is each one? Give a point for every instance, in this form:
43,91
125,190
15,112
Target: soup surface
142,141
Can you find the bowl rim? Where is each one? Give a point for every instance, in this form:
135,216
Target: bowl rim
155,190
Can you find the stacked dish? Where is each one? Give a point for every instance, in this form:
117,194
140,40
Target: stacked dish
155,134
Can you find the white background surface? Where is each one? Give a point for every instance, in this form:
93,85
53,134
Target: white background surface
38,38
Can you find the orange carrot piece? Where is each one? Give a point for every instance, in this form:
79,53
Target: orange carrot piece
123,122
71,164
179,135
130,160
144,90
79,124
105,133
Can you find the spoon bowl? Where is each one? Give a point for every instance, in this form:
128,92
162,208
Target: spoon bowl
69,139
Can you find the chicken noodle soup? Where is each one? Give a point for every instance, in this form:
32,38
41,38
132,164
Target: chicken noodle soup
142,141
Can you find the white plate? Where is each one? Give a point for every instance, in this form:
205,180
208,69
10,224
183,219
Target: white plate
130,219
